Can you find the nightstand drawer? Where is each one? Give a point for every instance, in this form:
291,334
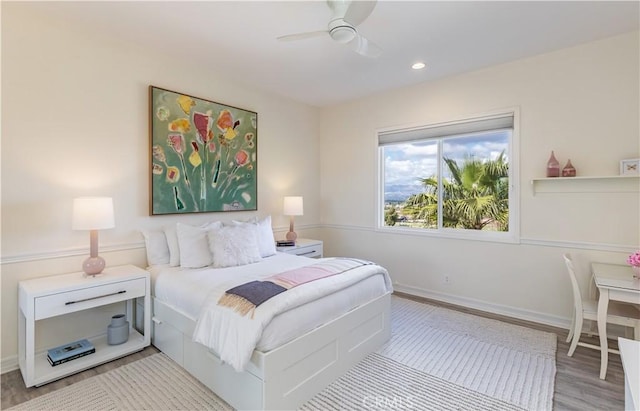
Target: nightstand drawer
82,299
314,251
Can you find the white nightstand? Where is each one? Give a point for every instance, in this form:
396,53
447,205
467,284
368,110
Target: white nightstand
304,247
47,297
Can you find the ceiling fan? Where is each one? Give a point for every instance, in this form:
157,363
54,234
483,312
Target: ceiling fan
346,15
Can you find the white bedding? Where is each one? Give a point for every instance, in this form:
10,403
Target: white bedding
188,290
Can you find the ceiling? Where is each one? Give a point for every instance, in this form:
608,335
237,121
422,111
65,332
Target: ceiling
237,39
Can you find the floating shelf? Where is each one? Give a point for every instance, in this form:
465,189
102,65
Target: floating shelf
587,184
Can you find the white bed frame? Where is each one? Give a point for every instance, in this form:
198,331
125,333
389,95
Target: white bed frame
283,378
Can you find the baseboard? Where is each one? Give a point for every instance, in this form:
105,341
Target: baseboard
519,313
9,364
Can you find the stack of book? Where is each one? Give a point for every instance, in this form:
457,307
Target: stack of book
285,243
70,351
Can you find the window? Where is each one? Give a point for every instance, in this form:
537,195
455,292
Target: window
452,179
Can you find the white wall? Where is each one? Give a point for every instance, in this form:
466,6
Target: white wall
582,102
75,123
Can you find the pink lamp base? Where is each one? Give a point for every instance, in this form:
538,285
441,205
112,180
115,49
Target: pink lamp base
291,236
93,265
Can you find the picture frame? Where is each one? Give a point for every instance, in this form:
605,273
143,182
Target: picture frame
630,167
203,155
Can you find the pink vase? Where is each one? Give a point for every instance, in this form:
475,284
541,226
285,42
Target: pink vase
569,170
553,166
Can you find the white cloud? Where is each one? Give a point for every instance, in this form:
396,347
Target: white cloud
408,171
405,164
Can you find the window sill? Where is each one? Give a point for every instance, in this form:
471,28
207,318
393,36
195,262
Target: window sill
453,234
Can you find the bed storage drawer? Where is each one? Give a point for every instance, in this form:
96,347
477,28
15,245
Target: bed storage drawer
165,336
168,340
243,390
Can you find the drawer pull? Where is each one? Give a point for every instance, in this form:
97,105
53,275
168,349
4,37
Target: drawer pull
95,298
308,252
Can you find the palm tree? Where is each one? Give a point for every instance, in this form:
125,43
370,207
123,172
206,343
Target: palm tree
390,215
474,196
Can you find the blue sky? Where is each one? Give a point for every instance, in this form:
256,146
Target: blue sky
405,163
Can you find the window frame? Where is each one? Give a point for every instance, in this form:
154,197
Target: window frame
511,236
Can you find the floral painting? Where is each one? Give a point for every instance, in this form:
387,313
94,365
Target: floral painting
203,155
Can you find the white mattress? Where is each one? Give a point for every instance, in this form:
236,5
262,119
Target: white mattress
186,290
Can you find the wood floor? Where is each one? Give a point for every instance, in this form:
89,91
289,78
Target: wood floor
577,384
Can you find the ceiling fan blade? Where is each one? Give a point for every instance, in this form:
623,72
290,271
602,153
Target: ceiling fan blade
365,47
302,36
358,11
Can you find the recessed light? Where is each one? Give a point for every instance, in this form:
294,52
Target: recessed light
418,66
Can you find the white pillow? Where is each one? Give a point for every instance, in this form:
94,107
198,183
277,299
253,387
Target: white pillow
234,245
194,244
264,234
157,249
172,244
266,241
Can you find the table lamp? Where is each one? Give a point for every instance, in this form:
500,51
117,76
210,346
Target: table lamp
93,214
292,207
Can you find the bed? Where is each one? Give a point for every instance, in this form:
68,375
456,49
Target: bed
300,351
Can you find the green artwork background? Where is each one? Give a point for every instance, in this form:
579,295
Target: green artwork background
203,155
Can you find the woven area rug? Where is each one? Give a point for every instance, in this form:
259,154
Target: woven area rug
437,359
380,383
153,383
512,363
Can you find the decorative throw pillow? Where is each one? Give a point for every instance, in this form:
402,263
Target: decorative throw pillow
156,245
194,244
234,245
174,245
264,234
194,250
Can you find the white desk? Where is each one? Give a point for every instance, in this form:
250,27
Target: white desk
615,282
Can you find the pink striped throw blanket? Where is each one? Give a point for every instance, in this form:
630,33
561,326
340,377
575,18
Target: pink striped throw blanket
246,297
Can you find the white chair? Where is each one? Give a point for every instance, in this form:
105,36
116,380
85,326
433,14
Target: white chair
586,309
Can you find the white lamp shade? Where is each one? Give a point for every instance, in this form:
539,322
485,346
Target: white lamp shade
92,213
293,206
